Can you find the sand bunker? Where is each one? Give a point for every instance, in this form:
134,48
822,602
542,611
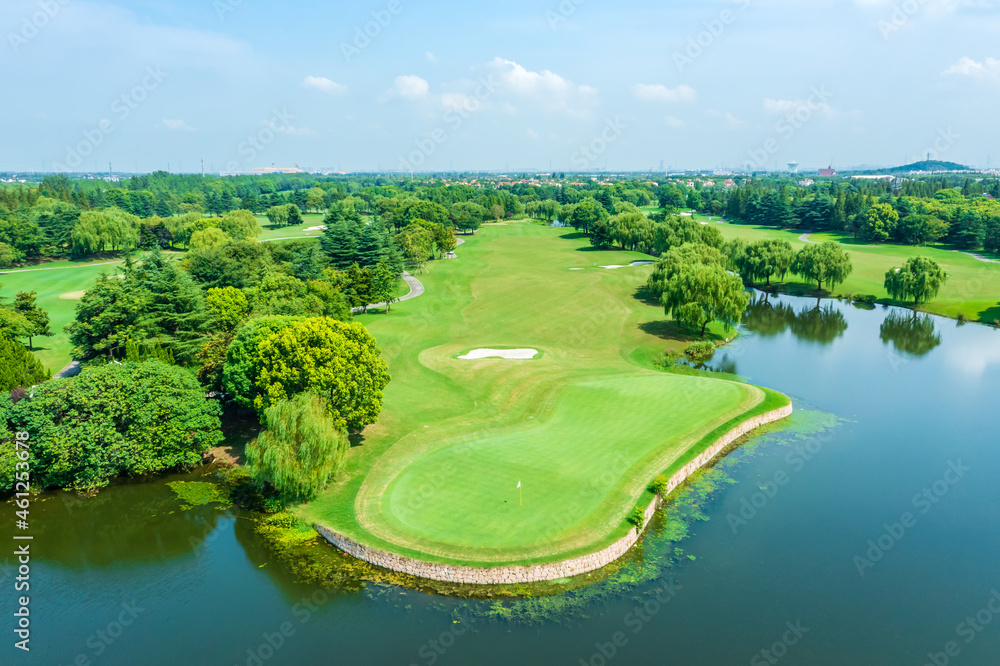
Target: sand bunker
319,228
510,354
634,263
73,295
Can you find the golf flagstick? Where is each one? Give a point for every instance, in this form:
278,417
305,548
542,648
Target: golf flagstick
520,500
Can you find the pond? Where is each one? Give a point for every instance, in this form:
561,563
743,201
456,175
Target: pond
870,538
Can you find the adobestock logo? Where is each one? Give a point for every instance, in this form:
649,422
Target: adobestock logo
32,25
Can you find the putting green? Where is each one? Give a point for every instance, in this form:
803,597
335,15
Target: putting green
580,470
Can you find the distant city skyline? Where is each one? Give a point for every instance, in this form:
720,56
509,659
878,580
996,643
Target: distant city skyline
570,85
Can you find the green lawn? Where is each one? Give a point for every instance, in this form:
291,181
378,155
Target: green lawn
585,427
973,287
59,286
272,232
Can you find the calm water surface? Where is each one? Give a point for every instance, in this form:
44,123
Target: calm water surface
810,535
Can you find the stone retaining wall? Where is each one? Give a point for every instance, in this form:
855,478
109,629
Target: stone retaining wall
543,572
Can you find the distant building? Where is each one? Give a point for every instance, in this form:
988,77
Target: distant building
828,172
276,169
806,183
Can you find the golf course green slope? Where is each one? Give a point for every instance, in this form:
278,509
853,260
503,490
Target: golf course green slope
584,427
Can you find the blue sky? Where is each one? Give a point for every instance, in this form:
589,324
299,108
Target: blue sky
561,84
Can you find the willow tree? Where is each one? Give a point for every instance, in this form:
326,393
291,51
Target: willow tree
919,279
699,294
765,258
301,449
824,263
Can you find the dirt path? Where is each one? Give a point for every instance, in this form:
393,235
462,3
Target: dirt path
805,239
979,257
71,370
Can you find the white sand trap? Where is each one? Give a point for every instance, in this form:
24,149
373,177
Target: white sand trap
510,354
634,263
576,269
686,214
319,228
72,295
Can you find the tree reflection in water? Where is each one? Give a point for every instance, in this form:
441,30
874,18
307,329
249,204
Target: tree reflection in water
821,324
910,334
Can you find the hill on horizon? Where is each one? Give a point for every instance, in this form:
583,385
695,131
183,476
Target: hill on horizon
928,165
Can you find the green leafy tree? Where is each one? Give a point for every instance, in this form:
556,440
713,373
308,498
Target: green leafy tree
8,255
242,366
19,367
26,303
918,229
236,264
586,214
113,420
240,225
919,279
417,244
879,223
107,317
444,239
467,216
765,258
337,361
301,449
677,259
601,234
13,325
699,294
824,263
228,307
208,238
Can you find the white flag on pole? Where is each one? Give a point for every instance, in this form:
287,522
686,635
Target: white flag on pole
518,484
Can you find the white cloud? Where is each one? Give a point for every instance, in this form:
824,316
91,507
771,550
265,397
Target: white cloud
657,92
553,92
988,69
729,121
532,133
411,87
431,57
324,85
674,123
781,107
178,125
456,101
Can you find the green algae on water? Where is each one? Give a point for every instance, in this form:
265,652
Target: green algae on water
200,493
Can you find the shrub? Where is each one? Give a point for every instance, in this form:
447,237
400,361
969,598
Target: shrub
868,299
700,352
961,316
637,517
659,485
130,419
18,367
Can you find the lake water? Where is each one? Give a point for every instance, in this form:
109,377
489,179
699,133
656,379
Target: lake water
875,541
